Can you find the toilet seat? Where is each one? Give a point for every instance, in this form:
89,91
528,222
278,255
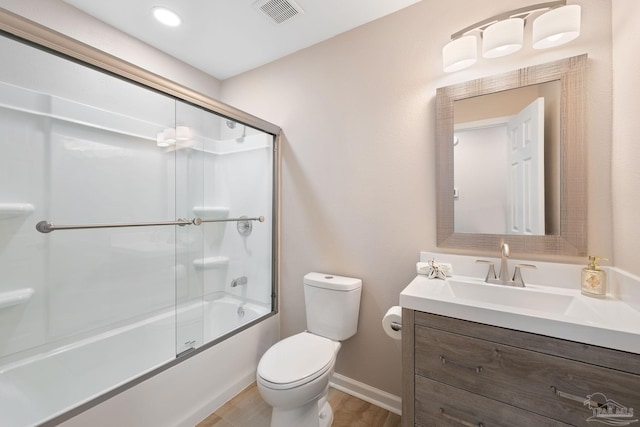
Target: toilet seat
296,360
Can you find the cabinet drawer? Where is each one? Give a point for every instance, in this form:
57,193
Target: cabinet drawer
605,357
547,385
438,404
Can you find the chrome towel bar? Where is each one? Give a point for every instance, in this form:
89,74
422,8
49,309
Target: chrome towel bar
48,227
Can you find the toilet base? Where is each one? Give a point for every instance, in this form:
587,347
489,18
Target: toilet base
317,413
326,414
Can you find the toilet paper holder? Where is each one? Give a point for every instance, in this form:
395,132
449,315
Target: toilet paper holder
392,322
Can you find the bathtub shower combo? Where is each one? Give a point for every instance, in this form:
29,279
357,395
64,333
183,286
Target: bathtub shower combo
136,229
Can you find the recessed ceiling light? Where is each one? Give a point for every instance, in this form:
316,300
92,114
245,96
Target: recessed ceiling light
166,16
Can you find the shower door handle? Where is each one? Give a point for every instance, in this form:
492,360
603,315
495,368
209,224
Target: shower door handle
48,226
198,221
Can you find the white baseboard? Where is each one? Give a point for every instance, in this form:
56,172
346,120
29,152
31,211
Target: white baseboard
367,393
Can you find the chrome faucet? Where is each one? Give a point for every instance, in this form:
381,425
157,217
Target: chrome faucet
242,280
504,263
504,278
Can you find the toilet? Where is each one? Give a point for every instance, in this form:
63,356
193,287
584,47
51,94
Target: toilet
293,375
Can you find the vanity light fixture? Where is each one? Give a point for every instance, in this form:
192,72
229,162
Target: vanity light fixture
166,16
556,27
503,34
460,53
503,38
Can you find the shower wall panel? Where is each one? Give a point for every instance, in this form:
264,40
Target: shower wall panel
247,177
23,139
101,277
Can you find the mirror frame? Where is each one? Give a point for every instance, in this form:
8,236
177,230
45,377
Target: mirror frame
572,240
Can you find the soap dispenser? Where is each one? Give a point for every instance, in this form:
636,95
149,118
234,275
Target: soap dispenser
594,279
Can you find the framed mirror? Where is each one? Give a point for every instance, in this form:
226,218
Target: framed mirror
511,161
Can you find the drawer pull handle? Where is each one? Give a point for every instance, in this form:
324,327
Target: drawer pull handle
569,396
459,420
444,361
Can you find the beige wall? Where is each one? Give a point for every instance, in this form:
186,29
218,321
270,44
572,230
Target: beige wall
626,132
358,159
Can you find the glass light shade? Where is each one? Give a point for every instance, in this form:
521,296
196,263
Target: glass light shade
556,27
503,38
459,54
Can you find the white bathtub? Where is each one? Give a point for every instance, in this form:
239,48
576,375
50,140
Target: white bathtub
228,313
45,385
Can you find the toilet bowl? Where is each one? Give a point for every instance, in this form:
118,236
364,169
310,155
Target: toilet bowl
293,375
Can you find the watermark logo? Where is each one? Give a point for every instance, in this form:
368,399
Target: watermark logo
608,411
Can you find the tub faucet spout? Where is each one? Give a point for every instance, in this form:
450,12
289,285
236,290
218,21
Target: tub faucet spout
242,280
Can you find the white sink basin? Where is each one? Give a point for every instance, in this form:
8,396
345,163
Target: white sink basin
552,311
528,298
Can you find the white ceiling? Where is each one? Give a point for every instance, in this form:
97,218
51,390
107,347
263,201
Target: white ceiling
227,37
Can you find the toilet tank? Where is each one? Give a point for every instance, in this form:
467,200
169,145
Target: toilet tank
332,305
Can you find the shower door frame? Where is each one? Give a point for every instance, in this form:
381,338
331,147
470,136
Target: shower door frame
32,33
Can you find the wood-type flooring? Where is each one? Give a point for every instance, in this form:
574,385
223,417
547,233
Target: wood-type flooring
247,409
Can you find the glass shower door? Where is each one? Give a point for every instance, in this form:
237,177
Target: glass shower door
224,182
189,157
134,228
241,182
92,307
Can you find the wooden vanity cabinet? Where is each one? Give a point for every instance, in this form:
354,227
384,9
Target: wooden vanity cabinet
461,373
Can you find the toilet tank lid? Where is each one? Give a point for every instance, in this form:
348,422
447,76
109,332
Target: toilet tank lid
331,281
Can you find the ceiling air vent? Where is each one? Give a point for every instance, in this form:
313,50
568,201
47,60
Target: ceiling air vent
278,11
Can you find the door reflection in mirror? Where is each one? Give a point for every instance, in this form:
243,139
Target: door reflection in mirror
507,162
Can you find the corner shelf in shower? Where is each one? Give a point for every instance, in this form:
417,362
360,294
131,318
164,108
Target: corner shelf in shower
11,210
211,262
11,298
211,212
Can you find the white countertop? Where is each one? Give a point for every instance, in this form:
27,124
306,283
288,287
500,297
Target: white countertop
558,312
